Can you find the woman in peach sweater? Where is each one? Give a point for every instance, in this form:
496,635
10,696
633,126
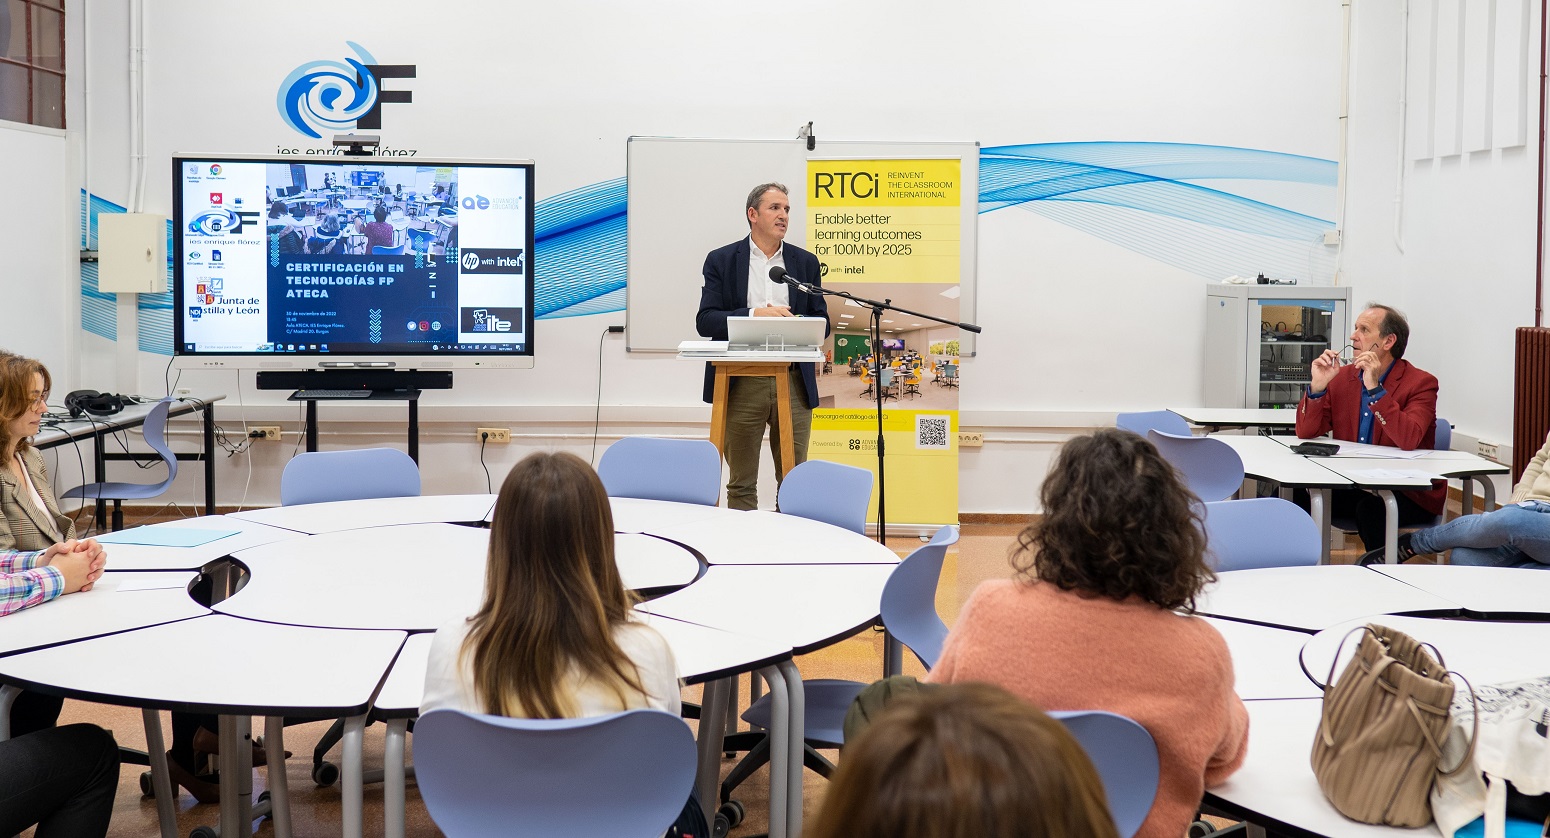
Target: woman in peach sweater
1099,618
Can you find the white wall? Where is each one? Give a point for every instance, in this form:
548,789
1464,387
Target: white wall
1076,328
1456,250
40,281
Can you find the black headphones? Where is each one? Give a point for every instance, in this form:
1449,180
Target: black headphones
82,402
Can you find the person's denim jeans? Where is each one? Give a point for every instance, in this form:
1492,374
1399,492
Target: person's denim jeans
1513,536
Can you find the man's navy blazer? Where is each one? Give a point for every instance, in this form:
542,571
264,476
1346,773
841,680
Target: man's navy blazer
726,295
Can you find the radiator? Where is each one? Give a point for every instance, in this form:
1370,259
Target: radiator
1530,396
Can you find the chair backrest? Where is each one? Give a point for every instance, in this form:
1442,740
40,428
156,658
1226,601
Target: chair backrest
1211,468
887,376
419,240
322,476
952,370
828,492
627,775
1121,750
909,598
1259,532
1148,420
155,432
684,470
395,250
1443,439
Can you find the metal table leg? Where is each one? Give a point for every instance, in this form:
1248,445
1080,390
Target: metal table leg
1319,507
279,787
393,778
780,750
798,740
161,781
1390,526
351,785
713,706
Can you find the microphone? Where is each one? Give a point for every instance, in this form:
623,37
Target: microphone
778,274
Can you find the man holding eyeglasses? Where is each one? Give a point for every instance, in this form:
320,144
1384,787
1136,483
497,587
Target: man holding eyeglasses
1377,398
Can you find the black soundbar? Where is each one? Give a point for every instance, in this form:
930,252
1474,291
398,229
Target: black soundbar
355,379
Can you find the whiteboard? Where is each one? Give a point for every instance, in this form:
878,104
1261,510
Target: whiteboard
686,199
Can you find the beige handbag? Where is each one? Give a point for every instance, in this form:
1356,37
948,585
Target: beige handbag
1381,733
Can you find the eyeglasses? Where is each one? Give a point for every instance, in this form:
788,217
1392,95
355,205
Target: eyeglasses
40,399
1347,357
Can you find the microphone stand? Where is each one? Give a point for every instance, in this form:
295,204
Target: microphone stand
877,371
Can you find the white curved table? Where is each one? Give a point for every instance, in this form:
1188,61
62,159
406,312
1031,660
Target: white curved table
333,587
418,577
1312,598
124,556
317,518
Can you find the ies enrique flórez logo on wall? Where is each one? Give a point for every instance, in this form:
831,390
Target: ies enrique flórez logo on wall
329,96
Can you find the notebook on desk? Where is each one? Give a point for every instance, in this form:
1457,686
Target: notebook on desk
776,334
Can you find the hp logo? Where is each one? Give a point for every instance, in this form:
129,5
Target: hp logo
470,260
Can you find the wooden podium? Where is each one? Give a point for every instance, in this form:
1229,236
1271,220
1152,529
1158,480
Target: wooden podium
778,370
765,364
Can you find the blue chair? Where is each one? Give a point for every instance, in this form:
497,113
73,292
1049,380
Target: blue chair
682,470
909,599
627,775
828,492
419,241
951,373
909,614
357,474
155,431
1211,468
1260,532
323,476
1152,420
1126,758
395,250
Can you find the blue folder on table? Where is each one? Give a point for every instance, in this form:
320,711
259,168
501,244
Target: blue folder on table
165,536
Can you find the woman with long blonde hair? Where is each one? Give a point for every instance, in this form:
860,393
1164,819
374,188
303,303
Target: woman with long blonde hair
556,636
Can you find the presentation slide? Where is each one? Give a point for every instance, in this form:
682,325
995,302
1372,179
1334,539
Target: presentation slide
374,257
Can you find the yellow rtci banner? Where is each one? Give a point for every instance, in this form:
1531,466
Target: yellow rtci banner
879,227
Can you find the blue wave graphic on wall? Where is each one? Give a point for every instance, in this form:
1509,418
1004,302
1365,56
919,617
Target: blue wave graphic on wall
1152,198
1209,210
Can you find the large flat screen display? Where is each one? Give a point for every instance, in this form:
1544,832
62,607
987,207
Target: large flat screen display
372,262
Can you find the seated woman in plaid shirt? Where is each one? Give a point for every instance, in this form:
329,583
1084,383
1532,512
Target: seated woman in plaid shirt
28,578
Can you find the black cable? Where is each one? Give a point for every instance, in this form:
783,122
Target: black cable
597,415
489,487
167,370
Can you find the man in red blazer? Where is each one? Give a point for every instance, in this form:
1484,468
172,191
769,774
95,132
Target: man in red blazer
1378,398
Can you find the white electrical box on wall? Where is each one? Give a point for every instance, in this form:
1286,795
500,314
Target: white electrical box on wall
132,253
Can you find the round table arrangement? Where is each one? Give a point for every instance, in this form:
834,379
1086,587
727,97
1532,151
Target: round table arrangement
326,610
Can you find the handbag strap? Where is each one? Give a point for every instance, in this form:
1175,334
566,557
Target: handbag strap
1329,679
1474,735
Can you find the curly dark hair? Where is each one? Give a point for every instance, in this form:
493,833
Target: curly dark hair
1118,522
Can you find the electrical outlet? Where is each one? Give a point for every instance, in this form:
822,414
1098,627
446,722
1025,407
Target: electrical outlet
182,391
968,440
264,431
1486,450
493,434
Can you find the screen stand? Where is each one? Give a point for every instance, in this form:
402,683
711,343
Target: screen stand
382,385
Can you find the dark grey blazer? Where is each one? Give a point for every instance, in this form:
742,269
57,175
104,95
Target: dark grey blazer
726,295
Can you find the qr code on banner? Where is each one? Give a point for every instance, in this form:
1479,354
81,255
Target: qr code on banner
931,431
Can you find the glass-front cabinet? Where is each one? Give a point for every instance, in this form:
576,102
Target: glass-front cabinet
1261,339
